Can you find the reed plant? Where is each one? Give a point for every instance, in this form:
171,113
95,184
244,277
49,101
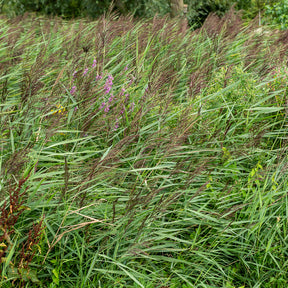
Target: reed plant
142,154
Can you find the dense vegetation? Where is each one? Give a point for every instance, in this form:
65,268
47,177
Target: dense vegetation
142,154
198,10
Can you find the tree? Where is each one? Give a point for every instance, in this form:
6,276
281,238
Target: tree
176,7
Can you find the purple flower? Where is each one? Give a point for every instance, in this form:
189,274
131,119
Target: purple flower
108,84
111,98
102,105
98,77
116,125
107,89
122,91
76,108
94,63
73,89
106,109
85,71
132,80
126,68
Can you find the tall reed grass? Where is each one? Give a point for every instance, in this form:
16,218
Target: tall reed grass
142,154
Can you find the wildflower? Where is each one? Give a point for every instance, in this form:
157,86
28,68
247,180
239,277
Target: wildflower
61,110
122,91
132,80
102,105
85,71
94,63
106,108
73,89
116,125
127,97
76,108
98,77
126,68
108,84
111,98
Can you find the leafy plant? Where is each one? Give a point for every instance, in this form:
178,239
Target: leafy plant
15,265
277,14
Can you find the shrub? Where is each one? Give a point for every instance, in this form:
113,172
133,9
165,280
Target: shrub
91,8
278,14
199,10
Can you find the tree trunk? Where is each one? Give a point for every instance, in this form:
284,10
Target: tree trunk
176,7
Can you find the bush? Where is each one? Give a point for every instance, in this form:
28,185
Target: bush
278,14
91,8
199,10
65,8
251,8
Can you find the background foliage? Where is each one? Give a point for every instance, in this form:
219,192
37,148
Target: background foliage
197,12
278,13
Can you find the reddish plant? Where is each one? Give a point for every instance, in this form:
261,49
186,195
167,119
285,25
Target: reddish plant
10,214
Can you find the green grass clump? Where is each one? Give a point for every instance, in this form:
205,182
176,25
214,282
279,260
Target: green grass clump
141,154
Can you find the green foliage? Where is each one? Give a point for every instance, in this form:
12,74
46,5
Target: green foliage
91,8
251,8
199,10
66,8
278,14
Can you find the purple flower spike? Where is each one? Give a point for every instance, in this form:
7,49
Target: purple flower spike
85,71
98,77
111,98
73,89
106,108
108,84
122,91
102,105
107,90
116,126
126,68
94,63
76,108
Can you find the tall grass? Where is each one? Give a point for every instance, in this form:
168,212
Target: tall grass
141,154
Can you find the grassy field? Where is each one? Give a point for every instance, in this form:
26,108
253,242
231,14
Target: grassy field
142,154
